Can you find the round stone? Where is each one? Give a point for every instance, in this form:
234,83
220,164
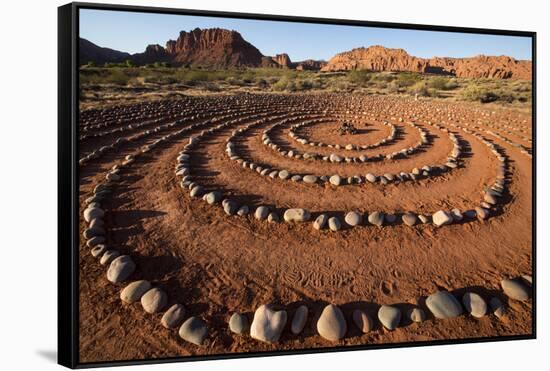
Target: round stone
335,158
490,199
134,291
497,307
296,178
296,215
335,180
154,300
98,250
283,174
353,218
108,256
334,224
320,221
243,210
196,191
417,315
441,218
193,330
332,324
93,232
310,179
238,323
273,217
389,316
409,219
94,241
390,218
229,206
173,316
362,320
482,213
457,215
423,218
261,213
92,213
299,320
371,178
514,289
376,218
443,305
120,269
213,197
267,324
474,304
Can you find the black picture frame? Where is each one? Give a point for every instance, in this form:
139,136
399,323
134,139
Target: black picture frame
68,235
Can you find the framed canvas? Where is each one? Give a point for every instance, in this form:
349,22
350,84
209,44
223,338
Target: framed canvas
235,185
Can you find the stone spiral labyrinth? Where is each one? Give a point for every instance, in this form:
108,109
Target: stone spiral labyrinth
217,212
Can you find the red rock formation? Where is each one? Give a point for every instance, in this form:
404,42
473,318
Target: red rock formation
379,58
283,60
213,47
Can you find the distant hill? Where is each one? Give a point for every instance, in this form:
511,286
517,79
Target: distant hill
221,48
90,52
379,58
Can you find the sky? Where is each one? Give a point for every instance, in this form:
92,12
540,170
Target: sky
131,32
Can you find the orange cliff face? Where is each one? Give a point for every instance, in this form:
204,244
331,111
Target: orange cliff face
379,58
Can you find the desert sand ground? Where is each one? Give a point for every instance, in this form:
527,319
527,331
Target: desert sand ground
216,264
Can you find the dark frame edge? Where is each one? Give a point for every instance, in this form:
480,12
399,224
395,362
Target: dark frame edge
67,310
68,320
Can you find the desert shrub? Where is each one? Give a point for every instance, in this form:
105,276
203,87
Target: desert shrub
419,88
407,79
117,77
393,87
280,85
382,77
211,86
477,93
359,77
129,63
262,83
303,85
440,83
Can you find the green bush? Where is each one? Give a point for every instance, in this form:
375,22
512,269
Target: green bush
476,93
406,79
359,77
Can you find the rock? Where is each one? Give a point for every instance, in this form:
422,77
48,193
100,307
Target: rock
417,315
390,218
196,191
409,219
193,330
441,218
238,323
296,215
371,178
134,291
92,213
490,199
335,180
108,257
213,197
283,174
423,218
296,178
497,307
389,316
527,279
457,215
229,206
443,305
94,241
93,232
98,250
482,213
310,179
243,210
332,324
154,300
120,269
299,320
514,289
320,221
335,158
353,218
261,213
273,217
362,320
474,304
334,224
267,324
376,218
173,316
